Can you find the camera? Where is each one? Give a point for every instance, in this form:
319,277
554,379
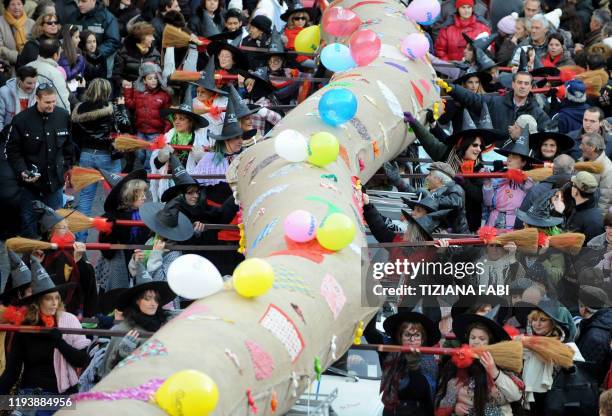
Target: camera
33,172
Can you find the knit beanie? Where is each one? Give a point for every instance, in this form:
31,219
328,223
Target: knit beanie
575,91
507,24
459,3
553,17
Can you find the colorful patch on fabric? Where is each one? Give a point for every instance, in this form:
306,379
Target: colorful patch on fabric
397,66
285,170
344,84
392,101
264,163
361,129
355,248
344,156
370,22
272,191
425,85
298,312
283,328
342,76
331,208
375,149
333,294
418,93
193,309
264,232
311,250
263,364
288,279
151,348
328,185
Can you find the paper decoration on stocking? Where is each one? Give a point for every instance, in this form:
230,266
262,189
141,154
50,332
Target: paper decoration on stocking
333,294
425,85
417,93
392,101
266,231
344,156
361,129
151,348
310,250
275,190
263,365
286,278
193,309
263,164
283,328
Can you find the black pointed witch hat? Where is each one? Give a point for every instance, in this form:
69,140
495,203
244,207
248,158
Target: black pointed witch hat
186,109
182,180
488,135
20,276
167,220
144,282
520,147
277,47
47,216
429,223
113,199
231,124
539,213
462,324
242,109
42,283
240,59
207,79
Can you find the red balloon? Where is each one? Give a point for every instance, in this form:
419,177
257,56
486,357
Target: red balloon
365,46
338,21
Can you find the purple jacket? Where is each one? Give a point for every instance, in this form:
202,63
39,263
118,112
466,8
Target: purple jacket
506,197
72,71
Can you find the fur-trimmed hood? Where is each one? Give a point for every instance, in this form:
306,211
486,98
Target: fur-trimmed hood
85,112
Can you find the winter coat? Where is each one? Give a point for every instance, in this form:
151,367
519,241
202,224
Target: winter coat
594,341
449,11
42,140
569,117
539,189
95,66
540,50
124,17
128,61
576,153
501,107
561,60
72,71
93,123
451,196
472,188
49,73
198,24
605,182
506,50
9,102
146,107
504,197
586,218
102,23
450,42
8,48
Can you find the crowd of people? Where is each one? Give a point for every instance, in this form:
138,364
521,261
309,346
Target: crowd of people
528,86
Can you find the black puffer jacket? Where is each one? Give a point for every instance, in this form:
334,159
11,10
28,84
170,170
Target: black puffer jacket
128,61
93,123
452,196
586,218
594,341
198,23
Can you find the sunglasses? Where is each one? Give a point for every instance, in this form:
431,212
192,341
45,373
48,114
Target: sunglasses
52,23
300,18
44,87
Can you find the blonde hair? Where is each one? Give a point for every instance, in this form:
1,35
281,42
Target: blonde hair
554,332
98,90
37,29
32,316
131,191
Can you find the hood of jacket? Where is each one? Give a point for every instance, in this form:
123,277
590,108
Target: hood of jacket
86,111
601,319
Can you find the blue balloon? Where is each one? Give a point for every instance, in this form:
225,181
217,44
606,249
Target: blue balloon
337,106
337,57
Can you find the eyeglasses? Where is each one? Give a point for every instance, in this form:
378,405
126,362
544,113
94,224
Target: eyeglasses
475,145
52,23
300,18
414,336
44,87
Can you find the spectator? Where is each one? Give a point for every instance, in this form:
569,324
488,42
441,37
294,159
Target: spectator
233,21
46,27
259,30
586,217
72,60
17,95
570,115
592,147
297,18
450,42
522,27
592,122
15,27
594,336
595,77
95,64
126,12
95,17
158,21
504,109
208,19
538,37
548,145
531,8
40,164
595,35
557,54
138,47
449,9
48,70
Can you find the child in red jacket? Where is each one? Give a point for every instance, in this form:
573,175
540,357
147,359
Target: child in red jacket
146,98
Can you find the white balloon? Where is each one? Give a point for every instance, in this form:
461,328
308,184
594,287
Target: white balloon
194,277
291,145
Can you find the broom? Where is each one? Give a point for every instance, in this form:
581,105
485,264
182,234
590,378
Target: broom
131,143
570,243
175,37
82,177
550,349
596,168
193,76
506,354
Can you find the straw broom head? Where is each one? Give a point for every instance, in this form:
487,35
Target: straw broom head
186,76
26,245
550,349
82,177
539,174
129,143
506,354
526,239
570,243
596,168
173,36
76,220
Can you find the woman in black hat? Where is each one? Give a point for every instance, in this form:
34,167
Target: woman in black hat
142,311
548,145
482,388
19,282
210,99
260,28
227,56
259,96
45,361
408,380
298,18
463,152
208,18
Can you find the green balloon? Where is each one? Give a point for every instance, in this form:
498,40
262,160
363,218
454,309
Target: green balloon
323,149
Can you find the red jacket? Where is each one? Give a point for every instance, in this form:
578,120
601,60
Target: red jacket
146,106
450,43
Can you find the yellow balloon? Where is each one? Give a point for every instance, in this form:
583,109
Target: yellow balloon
253,277
188,393
323,149
336,232
307,41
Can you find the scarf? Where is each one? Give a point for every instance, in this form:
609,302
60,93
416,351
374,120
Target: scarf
182,139
135,231
47,320
65,374
207,107
18,25
149,323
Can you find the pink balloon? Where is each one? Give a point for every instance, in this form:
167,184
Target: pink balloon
424,12
365,46
338,21
415,46
300,226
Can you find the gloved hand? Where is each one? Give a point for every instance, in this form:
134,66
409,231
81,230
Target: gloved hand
392,171
164,154
128,343
498,166
429,116
197,153
409,118
444,85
